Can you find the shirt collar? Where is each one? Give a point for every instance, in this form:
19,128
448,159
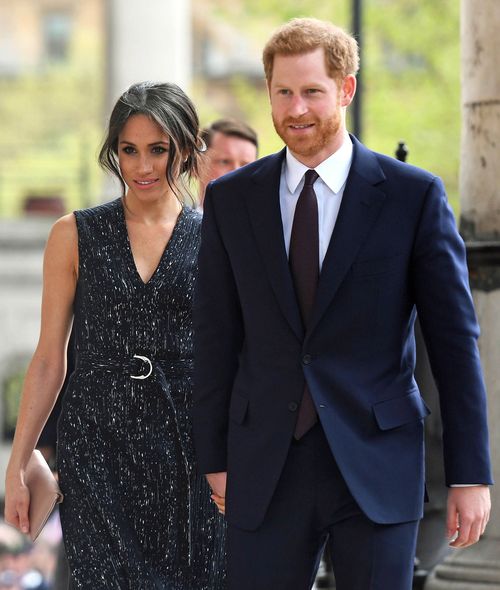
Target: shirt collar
333,171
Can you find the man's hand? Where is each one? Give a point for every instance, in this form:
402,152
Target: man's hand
468,513
217,482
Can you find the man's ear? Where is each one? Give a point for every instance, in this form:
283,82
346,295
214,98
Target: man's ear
348,90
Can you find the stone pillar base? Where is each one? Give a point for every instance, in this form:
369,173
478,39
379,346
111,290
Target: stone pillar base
474,568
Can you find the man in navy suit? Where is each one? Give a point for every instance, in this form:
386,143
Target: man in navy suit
313,264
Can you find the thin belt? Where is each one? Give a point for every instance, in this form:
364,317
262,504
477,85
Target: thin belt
139,366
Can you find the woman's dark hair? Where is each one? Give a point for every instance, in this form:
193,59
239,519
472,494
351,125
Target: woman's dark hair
168,106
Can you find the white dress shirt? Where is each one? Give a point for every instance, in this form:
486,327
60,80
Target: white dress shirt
329,188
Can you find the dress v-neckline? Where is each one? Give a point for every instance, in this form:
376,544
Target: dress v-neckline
135,272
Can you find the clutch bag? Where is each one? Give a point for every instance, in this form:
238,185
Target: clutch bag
44,492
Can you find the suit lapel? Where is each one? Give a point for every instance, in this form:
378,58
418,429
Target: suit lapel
265,216
361,205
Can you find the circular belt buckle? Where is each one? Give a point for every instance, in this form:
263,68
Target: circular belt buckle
146,360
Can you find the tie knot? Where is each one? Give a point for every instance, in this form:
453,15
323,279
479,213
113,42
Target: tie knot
310,177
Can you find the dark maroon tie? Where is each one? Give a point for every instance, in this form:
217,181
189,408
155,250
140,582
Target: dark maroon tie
304,265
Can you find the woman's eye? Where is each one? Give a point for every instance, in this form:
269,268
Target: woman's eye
128,149
159,150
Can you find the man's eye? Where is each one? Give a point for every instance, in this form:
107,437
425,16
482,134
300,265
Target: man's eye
284,91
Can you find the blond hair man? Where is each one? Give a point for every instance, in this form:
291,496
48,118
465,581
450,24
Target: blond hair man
305,400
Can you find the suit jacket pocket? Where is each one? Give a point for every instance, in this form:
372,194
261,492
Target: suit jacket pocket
398,411
238,408
375,266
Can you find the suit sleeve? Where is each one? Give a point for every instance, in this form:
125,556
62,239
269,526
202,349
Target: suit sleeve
218,339
450,329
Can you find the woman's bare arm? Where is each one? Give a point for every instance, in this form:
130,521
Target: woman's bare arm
47,369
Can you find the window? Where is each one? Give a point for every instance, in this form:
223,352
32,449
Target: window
57,35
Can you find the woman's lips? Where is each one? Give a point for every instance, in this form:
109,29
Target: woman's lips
145,184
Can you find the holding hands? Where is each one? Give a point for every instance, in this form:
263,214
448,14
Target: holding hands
217,483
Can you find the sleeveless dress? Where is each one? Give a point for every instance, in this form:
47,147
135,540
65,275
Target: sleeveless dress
135,515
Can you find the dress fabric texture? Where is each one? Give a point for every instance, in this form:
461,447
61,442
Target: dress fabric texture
135,513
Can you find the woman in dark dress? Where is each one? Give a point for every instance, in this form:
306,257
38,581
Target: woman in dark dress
135,514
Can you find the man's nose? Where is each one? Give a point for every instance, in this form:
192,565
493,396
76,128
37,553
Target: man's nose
298,106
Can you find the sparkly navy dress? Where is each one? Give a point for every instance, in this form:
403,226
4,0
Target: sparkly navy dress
135,513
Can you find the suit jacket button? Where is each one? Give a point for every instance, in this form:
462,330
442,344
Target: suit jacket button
306,359
292,406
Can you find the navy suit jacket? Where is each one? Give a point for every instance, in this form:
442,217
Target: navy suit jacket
395,250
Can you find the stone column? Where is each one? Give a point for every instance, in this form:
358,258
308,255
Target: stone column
478,567
149,40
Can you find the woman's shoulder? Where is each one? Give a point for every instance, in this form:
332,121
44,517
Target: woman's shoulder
63,233
97,211
193,216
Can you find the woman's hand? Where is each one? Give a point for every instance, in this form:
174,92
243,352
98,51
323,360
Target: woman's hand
17,502
220,502
217,483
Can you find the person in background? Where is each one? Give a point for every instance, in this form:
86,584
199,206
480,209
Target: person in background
305,402
136,514
20,561
231,144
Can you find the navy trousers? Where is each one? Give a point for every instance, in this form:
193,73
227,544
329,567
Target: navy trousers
311,504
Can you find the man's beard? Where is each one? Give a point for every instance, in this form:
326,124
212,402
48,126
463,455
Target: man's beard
323,132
